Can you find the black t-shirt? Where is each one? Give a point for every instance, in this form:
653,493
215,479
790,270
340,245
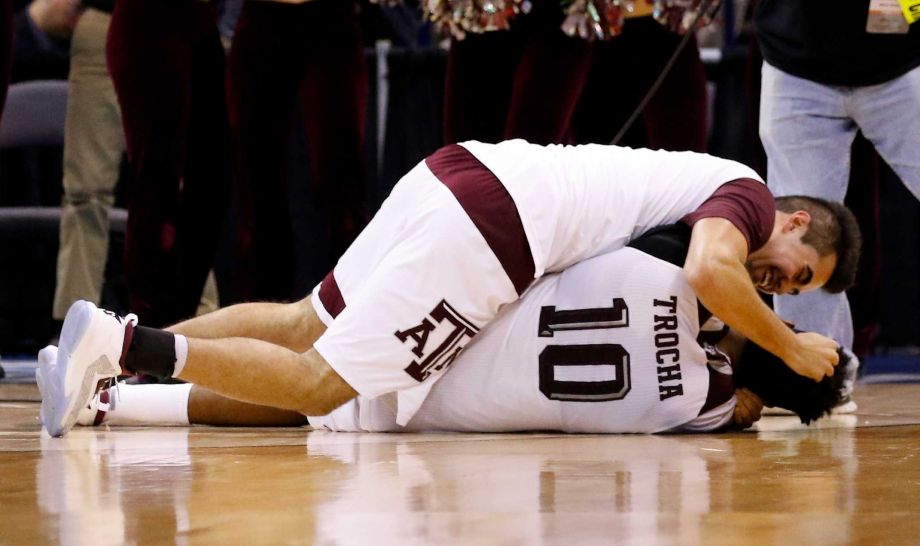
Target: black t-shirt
827,42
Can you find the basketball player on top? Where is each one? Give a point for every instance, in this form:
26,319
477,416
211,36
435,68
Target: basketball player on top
462,234
609,345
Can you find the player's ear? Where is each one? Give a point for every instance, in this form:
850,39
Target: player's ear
797,221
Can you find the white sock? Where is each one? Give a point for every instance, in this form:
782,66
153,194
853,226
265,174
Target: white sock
181,354
162,405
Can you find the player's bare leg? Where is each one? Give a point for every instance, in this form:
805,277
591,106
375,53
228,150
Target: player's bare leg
292,326
258,372
96,344
170,405
295,326
206,407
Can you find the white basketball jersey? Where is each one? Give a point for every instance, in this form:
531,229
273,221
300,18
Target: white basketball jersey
576,202
608,345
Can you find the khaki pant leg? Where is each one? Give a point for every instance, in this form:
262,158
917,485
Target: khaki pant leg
210,299
93,147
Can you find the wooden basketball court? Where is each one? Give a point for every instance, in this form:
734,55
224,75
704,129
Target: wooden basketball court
855,479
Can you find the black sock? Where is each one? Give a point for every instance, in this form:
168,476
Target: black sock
152,352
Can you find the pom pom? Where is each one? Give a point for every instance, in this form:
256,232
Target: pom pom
459,17
679,15
596,19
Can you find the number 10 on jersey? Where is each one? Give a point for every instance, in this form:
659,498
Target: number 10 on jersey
558,361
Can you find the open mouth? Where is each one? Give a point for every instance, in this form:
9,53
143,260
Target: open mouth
766,283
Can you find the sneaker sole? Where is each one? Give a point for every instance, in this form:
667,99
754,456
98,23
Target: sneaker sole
46,411
845,408
77,385
45,369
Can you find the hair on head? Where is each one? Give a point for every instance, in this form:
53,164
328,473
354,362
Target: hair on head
833,230
767,376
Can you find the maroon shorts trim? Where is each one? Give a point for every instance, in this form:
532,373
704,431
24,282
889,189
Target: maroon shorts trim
330,295
490,207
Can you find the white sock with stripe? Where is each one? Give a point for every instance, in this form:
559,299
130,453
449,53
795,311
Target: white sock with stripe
158,405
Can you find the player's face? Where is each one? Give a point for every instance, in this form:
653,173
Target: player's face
786,265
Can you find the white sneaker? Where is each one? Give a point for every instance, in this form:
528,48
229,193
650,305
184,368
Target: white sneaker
847,404
90,348
91,414
46,360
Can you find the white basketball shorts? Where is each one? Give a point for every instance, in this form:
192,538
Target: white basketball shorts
443,253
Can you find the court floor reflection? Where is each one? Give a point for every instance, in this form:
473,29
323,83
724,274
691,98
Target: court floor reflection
629,490
842,483
98,487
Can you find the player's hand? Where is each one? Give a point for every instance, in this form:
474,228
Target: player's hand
748,407
815,356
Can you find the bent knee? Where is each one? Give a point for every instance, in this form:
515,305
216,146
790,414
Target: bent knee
324,389
304,324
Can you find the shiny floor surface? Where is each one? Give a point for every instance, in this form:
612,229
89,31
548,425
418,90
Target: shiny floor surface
853,480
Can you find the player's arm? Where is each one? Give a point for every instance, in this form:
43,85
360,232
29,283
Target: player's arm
716,271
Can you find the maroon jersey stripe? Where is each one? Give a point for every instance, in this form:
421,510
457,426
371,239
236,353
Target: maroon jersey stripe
331,296
489,206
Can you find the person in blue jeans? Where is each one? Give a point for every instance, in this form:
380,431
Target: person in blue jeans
826,75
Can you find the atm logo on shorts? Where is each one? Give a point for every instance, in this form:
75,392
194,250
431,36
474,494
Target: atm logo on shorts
438,340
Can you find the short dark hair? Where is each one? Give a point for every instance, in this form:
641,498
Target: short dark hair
833,230
767,376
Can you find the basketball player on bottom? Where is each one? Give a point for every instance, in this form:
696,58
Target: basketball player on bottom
610,345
